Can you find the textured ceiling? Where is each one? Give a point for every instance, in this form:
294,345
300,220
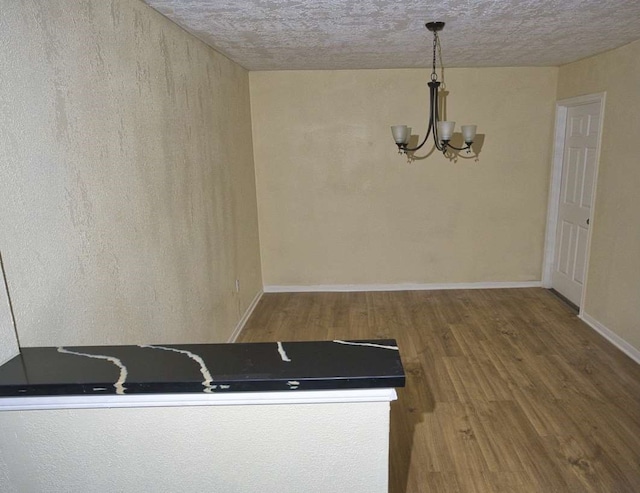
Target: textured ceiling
353,34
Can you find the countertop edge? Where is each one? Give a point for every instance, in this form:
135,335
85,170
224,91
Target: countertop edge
196,399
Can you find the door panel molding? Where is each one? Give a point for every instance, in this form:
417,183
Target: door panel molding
561,122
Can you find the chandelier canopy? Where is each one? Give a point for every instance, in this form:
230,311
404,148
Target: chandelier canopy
441,130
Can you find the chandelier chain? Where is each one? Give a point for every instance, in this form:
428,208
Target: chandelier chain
434,75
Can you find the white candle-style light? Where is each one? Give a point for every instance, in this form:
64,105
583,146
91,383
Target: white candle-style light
445,130
469,133
400,133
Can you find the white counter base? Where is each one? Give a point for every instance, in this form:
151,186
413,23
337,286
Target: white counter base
273,445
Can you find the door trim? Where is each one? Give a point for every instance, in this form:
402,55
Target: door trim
562,108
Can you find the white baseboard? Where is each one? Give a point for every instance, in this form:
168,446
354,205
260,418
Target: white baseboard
236,332
399,287
612,337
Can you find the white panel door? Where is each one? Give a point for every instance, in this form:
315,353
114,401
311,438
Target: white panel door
576,200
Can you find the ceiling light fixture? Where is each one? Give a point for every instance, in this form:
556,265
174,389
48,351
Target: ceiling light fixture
442,130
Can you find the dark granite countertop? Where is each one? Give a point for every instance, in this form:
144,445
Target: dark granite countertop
188,368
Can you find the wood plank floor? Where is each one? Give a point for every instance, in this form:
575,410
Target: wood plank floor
507,390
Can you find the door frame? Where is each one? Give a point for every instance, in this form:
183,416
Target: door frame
562,108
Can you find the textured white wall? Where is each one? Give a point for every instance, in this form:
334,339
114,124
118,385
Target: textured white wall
8,340
323,448
127,185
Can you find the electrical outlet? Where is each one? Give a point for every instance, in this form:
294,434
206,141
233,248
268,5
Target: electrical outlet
237,285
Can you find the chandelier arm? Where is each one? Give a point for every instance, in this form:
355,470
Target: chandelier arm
468,147
430,127
436,118
411,149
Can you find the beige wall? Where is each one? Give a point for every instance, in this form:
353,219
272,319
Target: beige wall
127,185
311,448
613,283
338,205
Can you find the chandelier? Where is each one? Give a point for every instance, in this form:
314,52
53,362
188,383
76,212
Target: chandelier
441,130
